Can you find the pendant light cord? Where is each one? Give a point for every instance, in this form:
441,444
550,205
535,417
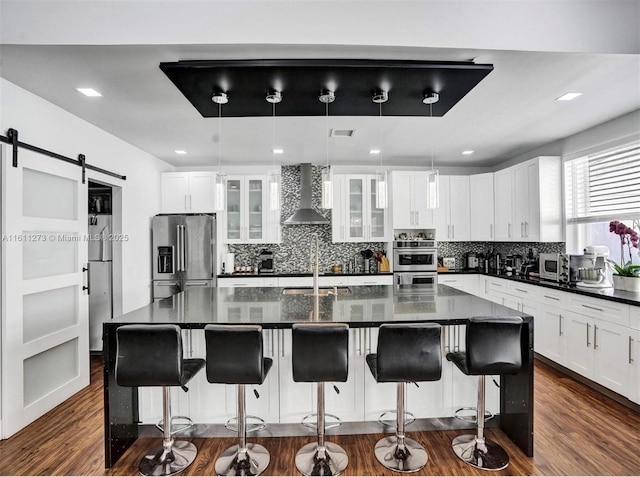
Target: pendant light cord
380,133
326,109
219,137
273,135
431,116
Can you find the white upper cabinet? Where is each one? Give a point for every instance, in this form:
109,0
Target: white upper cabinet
481,207
452,217
188,192
528,201
409,200
355,215
246,218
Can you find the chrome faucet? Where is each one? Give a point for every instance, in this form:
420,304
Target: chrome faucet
316,266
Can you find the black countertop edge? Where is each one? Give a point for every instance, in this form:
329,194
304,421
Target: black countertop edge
300,274
611,294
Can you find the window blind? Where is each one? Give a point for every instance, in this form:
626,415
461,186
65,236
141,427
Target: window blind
604,186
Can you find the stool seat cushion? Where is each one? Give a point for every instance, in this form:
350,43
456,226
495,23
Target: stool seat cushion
407,353
320,352
151,355
493,346
235,354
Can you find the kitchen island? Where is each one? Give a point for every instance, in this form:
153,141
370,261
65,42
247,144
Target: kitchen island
363,308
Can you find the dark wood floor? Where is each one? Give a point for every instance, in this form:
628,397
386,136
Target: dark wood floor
577,432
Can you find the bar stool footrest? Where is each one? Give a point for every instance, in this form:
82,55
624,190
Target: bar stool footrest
310,421
460,414
232,424
184,423
408,419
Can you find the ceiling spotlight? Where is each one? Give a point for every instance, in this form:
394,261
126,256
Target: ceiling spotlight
327,96
374,151
273,96
92,93
278,151
430,97
380,96
180,152
568,96
220,98
467,152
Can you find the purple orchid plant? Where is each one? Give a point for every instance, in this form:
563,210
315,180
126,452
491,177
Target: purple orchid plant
629,238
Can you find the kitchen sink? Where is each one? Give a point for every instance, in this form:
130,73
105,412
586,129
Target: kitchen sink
322,291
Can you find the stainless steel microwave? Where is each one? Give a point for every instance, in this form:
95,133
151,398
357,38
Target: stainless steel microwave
559,267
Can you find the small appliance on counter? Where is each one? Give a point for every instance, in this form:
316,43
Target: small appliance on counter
472,260
266,262
597,274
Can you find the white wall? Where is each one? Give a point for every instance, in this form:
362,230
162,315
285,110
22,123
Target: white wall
45,125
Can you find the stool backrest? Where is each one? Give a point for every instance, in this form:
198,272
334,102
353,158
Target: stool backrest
234,354
409,352
493,345
149,355
320,352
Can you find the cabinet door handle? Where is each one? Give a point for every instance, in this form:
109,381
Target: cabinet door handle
521,229
560,324
273,349
595,336
417,217
486,283
594,308
520,290
453,231
359,341
630,358
588,328
552,297
185,202
526,229
490,230
282,342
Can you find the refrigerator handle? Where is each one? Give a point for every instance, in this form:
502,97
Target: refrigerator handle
180,245
86,287
103,244
184,248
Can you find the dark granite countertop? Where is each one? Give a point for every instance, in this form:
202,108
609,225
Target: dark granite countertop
610,294
197,307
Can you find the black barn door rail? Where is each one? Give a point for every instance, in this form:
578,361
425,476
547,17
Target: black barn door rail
12,138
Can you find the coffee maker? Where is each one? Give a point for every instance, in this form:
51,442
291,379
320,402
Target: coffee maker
472,260
266,262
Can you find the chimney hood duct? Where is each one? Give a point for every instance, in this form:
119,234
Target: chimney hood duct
305,215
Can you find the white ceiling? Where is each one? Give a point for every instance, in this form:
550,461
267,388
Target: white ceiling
509,113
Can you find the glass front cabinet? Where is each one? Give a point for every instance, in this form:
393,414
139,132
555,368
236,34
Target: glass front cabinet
361,220
247,214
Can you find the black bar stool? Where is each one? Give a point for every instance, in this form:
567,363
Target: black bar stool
492,347
235,356
320,354
406,353
151,355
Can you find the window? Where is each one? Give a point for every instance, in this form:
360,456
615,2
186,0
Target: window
598,189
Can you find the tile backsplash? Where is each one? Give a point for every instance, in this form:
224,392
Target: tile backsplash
458,249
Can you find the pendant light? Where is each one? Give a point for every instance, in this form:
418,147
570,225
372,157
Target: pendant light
275,175
221,178
380,97
433,177
327,97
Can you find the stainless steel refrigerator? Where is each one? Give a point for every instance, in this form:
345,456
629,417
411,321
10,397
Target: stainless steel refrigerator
100,278
184,253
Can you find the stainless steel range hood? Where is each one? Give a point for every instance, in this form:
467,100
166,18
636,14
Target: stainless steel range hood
305,215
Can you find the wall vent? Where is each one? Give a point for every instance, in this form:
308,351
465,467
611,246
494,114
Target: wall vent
342,132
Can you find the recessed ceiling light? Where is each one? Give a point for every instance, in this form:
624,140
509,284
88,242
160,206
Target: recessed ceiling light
278,151
467,152
88,92
374,151
180,151
568,96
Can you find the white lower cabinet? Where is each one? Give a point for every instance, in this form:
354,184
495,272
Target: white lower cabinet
378,397
578,343
297,400
610,356
633,393
548,335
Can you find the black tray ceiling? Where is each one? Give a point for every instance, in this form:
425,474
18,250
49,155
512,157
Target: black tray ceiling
300,81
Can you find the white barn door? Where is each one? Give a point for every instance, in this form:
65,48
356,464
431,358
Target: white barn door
44,348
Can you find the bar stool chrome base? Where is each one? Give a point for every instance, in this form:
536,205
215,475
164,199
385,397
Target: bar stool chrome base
183,423
311,460
485,455
460,414
411,458
255,460
162,461
306,421
408,418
